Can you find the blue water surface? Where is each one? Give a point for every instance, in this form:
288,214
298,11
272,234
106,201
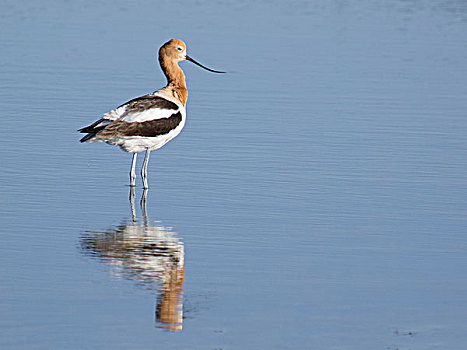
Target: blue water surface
316,198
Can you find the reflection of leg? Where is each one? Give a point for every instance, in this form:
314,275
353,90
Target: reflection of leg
143,205
144,169
132,171
132,202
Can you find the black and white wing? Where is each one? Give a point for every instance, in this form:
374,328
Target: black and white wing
146,116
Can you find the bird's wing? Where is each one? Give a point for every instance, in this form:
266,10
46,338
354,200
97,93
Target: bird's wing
145,108
154,110
149,116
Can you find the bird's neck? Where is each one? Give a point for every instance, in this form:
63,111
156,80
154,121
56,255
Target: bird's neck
175,79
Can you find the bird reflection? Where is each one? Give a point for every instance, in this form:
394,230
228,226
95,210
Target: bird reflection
148,253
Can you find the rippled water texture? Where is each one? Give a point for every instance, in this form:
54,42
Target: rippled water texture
316,198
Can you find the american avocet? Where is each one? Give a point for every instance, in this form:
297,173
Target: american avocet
148,122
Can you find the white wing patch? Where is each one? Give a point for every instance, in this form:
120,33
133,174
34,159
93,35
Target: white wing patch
149,114
122,113
115,114
104,122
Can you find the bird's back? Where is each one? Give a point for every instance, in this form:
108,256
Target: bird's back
146,122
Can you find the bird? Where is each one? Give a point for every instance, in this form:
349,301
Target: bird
148,122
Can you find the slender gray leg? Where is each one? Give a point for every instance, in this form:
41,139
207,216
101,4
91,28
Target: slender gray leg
132,171
144,169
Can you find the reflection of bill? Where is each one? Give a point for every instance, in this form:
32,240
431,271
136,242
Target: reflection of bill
150,254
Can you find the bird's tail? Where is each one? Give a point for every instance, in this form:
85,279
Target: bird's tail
93,129
87,137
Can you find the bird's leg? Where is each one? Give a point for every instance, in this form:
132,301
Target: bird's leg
144,169
132,171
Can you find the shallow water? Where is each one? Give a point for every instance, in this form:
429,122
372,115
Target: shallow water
315,199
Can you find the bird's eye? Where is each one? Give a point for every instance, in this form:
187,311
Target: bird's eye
180,49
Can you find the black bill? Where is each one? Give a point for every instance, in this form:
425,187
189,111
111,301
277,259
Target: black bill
188,58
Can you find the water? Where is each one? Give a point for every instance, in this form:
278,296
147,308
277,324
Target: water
315,199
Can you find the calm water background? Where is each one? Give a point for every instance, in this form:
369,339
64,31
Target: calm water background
319,189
